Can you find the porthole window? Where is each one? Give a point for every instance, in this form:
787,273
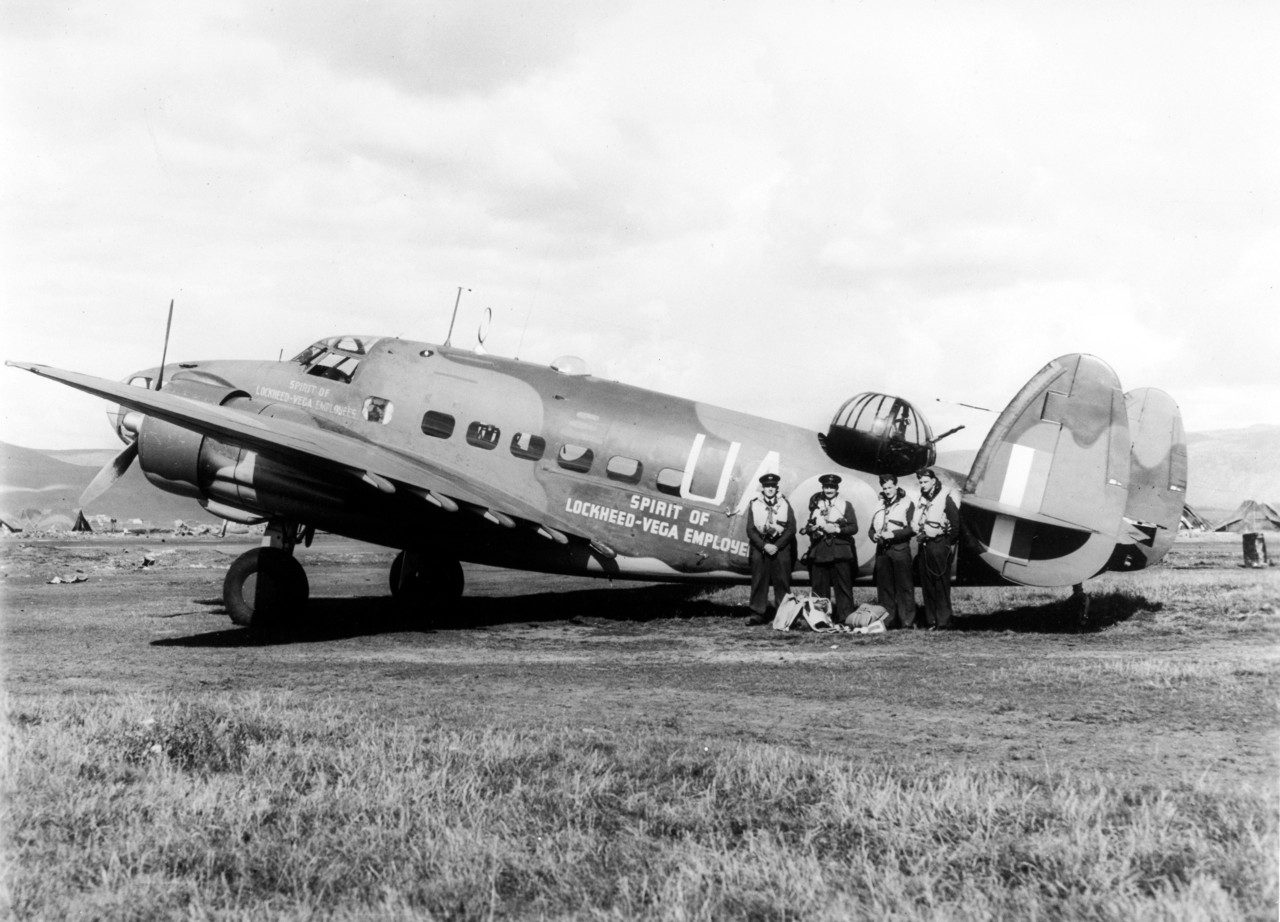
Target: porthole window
529,447
377,410
669,480
575,458
482,435
627,470
436,424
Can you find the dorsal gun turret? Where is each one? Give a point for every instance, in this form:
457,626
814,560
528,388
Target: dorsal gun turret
879,434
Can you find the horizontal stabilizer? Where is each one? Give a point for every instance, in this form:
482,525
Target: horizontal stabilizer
1043,502
1157,480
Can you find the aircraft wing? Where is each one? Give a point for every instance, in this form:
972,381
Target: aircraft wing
335,447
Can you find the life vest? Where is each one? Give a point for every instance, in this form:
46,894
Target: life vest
830,511
765,517
931,515
894,514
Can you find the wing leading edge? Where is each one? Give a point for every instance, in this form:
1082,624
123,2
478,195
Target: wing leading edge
288,439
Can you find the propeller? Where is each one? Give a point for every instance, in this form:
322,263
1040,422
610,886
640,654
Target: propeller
112,471
130,423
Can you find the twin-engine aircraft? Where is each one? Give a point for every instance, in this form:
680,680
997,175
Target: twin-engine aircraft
455,455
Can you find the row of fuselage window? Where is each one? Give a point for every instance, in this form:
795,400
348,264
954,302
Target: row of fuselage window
571,457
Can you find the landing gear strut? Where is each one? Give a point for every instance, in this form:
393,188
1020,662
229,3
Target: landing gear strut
1080,599
424,584
266,587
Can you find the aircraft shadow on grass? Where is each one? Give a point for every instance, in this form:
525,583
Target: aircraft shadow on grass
363,616
1063,616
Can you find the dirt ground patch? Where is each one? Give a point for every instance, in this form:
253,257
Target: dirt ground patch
567,748
1179,682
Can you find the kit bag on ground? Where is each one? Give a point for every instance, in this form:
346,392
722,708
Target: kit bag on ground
807,611
866,614
791,608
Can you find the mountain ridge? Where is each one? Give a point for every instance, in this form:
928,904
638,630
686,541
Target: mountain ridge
1226,467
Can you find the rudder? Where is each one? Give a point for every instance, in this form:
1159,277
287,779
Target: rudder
1157,480
1043,502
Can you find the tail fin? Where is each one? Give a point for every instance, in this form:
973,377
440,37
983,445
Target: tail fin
1157,480
1043,502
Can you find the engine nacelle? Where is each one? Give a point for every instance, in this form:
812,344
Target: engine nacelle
880,434
184,462
170,455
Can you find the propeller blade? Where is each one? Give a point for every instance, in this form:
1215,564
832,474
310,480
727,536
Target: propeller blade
112,471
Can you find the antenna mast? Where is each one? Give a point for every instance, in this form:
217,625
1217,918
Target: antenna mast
164,353
449,338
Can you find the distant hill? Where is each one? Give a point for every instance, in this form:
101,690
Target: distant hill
39,480
1232,465
959,461
1226,466
91,457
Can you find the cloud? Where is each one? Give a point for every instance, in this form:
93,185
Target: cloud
440,50
937,199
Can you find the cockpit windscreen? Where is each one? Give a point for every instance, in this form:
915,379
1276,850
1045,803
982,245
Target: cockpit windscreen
336,358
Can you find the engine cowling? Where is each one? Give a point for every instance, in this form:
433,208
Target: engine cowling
170,455
880,434
184,462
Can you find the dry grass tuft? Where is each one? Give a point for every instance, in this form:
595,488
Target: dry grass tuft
243,805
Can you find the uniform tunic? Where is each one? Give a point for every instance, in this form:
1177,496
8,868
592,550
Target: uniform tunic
937,523
832,557
770,524
894,589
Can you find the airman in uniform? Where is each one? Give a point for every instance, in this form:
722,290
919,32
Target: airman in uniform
891,530
937,526
771,532
832,556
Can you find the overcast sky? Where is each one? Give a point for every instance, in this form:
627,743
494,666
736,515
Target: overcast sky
767,206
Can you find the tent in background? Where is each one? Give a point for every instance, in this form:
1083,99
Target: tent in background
81,524
54,522
1251,517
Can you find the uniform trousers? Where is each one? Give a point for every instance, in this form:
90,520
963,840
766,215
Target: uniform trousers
935,581
837,575
767,571
894,589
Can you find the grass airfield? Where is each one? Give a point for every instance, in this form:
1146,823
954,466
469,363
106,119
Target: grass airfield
566,748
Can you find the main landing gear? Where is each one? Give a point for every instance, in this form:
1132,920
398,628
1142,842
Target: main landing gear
424,583
266,587
1080,599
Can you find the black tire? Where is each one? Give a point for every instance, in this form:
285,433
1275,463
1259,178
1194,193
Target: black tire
265,588
394,576
436,583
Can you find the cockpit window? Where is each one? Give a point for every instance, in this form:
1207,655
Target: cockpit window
307,355
335,366
350,344
336,358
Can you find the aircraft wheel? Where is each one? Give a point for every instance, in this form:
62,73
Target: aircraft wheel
265,587
431,581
